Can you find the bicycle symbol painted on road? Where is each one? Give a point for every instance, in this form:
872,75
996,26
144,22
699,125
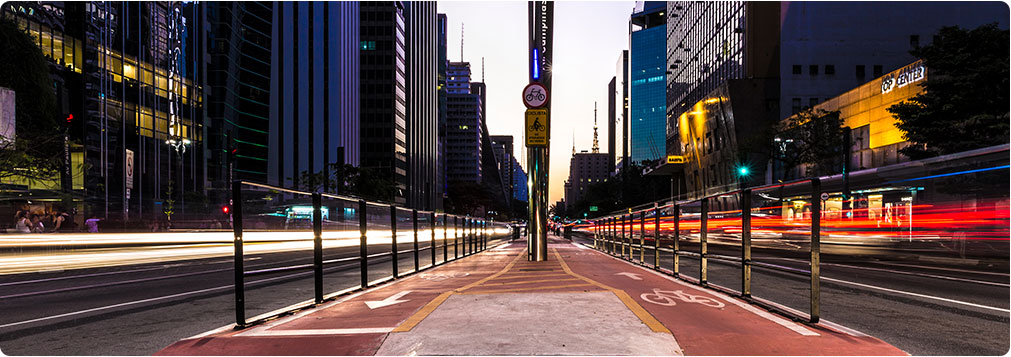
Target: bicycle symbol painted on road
667,297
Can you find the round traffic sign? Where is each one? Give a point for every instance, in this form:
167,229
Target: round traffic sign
535,95
824,196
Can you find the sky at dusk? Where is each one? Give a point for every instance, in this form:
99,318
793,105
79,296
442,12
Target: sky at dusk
588,37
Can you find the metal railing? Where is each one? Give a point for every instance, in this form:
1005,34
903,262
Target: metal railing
615,234
470,235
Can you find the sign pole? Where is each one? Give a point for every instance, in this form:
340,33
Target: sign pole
541,21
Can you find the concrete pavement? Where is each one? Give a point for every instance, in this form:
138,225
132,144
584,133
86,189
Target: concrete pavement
579,302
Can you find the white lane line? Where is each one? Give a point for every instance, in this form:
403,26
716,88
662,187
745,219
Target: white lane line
107,307
332,331
946,269
917,295
799,329
944,277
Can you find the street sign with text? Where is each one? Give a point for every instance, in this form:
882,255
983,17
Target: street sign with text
537,127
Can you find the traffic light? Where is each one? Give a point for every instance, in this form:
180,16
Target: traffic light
226,209
743,171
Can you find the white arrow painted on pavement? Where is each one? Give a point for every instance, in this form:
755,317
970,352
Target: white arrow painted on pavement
392,300
633,276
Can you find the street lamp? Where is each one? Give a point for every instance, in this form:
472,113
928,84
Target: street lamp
179,144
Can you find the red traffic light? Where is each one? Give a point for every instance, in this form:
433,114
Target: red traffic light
70,118
225,209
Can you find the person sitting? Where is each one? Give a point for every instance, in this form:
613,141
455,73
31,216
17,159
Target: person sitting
22,224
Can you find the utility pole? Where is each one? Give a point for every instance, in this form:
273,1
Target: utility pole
537,138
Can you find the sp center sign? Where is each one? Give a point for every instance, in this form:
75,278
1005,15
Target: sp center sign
537,128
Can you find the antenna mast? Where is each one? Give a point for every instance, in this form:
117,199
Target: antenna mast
461,42
596,146
482,69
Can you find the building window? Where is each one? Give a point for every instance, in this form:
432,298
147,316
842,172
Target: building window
914,41
796,69
796,105
829,69
861,72
813,69
877,71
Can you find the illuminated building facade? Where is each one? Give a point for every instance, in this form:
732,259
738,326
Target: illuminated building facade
794,54
128,73
585,169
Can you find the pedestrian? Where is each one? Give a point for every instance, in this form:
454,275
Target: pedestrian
22,224
36,224
92,224
63,222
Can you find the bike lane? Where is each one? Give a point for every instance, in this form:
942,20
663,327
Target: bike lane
707,322
356,324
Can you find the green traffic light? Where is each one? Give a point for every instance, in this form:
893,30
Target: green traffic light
742,171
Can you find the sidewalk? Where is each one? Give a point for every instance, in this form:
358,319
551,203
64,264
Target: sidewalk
579,302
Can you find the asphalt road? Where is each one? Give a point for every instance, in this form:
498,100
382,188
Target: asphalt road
925,305
138,309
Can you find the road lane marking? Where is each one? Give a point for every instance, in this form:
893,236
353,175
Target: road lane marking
747,307
419,316
501,291
917,295
925,275
630,303
943,268
316,332
632,276
391,300
528,282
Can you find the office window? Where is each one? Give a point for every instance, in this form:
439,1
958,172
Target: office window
861,72
813,69
877,71
796,69
796,105
829,69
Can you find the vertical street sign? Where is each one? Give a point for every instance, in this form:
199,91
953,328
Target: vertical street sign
540,21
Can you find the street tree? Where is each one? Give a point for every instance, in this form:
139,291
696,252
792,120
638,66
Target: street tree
349,180
965,102
35,154
816,139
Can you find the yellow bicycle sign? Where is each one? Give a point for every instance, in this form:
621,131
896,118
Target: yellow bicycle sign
537,127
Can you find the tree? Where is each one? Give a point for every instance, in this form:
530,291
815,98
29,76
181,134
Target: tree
817,139
35,153
349,180
467,197
965,102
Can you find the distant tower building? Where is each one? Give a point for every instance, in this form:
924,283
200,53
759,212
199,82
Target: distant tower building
463,133
647,116
596,145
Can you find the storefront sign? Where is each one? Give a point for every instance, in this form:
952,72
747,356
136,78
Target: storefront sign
675,159
910,74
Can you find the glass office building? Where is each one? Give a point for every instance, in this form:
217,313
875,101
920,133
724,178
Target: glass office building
647,88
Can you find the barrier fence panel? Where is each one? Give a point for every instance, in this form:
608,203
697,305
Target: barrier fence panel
305,251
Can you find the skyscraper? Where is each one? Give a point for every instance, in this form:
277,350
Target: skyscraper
620,113
383,92
611,118
647,89
464,120
314,89
441,157
238,80
503,148
423,191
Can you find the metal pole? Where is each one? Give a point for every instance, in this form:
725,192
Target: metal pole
703,248
393,247
363,257
656,236
431,224
677,236
417,262
317,242
445,238
746,243
642,237
815,249
537,225
621,235
456,237
240,283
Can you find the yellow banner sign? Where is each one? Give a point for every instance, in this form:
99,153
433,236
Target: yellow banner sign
538,127
675,159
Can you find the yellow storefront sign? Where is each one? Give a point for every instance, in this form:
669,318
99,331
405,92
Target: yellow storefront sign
538,127
675,159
